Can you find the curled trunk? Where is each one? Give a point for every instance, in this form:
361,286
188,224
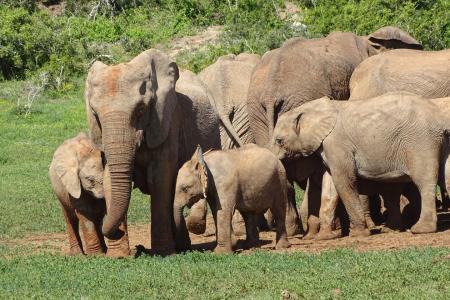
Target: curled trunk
118,141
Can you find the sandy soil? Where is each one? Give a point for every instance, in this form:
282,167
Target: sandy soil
140,235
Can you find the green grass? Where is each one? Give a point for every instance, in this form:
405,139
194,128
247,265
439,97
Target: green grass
407,274
27,145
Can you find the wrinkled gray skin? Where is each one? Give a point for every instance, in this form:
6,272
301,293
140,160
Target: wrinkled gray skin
303,70
148,129
249,179
227,80
424,73
76,175
399,138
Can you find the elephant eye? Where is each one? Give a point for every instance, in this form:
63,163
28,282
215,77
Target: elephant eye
279,141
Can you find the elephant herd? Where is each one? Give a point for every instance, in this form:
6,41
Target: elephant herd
239,134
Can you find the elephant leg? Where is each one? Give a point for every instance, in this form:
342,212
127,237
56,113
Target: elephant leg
119,247
162,234
94,243
364,199
344,179
251,230
224,231
311,203
239,226
394,216
327,213
196,221
425,178
279,213
73,232
293,222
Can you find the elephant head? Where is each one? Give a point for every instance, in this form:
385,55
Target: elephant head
191,186
129,104
78,164
390,37
300,132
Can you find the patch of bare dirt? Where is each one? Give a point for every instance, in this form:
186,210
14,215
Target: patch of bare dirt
194,42
56,243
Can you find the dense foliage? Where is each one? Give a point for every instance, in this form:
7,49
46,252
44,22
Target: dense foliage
34,39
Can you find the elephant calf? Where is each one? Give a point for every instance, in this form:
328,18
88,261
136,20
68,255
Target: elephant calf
250,179
396,137
76,174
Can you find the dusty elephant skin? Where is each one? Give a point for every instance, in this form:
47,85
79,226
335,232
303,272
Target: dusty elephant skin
76,174
303,70
424,73
250,179
149,117
397,137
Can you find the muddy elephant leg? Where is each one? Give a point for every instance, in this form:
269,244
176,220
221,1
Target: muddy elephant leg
73,234
196,221
327,213
344,179
224,231
239,227
119,247
394,216
425,178
162,234
279,213
94,243
365,203
251,230
293,222
310,208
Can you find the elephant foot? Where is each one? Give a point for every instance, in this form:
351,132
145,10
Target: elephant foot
328,235
95,252
363,232
196,227
424,227
74,251
282,244
251,243
222,250
388,229
118,253
310,236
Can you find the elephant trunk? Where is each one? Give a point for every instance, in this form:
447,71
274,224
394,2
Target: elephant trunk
181,233
119,145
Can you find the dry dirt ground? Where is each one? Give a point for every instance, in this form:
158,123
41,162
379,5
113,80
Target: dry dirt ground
140,235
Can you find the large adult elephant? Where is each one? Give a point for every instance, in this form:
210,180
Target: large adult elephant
424,73
303,70
148,130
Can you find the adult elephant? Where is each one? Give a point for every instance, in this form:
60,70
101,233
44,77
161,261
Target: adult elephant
424,73
148,129
303,70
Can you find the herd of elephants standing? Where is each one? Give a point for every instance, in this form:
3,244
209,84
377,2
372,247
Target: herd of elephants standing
152,127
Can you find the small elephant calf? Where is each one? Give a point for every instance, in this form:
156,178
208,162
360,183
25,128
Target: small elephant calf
250,179
76,174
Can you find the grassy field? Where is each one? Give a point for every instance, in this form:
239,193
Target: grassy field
28,206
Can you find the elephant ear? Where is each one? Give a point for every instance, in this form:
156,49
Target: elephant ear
66,167
163,77
313,123
200,166
95,131
390,37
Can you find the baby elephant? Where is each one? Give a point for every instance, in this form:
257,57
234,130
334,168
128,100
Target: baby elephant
76,174
250,179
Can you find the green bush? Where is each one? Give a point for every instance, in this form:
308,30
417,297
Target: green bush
427,21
